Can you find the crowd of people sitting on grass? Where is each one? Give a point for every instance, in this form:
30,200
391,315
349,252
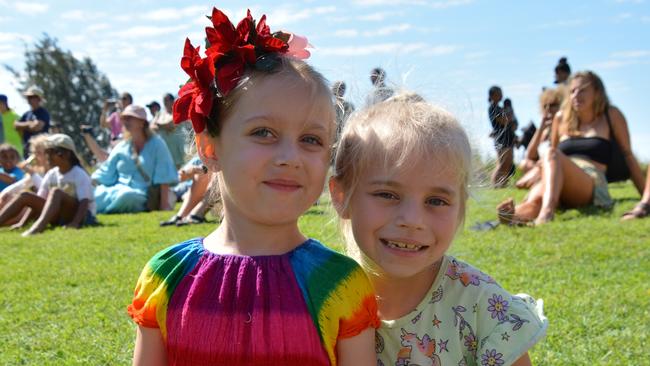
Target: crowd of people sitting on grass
582,143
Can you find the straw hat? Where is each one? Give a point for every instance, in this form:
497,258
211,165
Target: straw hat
34,91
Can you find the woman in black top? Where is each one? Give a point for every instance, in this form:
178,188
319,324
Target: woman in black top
573,171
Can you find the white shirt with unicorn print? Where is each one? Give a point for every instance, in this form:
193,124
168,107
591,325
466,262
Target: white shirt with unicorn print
466,318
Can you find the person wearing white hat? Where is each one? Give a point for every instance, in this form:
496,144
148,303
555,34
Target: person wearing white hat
36,120
138,172
65,196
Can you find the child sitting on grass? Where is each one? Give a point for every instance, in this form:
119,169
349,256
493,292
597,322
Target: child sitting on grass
9,172
400,187
65,196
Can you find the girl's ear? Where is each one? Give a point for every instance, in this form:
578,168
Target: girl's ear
206,147
338,198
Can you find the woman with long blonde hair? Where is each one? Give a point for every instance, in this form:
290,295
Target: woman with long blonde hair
574,169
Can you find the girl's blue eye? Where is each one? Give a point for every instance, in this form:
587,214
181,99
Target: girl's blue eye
313,140
386,195
262,132
437,202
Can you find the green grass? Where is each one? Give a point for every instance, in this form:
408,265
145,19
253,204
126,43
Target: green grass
63,294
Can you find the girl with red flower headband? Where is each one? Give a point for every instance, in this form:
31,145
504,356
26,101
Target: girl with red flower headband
255,291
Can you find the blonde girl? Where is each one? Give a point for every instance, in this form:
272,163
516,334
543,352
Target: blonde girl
255,291
400,187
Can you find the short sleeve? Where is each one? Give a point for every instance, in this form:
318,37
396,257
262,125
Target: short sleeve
158,280
164,171
508,326
338,294
46,183
17,174
83,185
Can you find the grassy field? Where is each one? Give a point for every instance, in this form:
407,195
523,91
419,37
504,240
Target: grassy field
63,294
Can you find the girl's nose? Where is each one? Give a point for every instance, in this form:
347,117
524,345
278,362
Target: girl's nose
410,215
288,154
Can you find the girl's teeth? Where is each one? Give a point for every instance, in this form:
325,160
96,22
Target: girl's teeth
398,245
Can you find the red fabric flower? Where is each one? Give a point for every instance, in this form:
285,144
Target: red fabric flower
195,98
231,49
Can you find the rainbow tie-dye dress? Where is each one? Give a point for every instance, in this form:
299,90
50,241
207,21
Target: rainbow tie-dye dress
287,309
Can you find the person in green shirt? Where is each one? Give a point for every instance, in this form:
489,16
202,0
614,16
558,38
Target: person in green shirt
8,117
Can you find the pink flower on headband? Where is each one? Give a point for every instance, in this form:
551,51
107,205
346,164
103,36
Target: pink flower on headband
230,51
297,45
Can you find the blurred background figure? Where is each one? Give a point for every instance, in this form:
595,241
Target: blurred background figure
549,101
562,72
11,136
154,109
380,91
503,134
36,120
174,135
110,116
343,108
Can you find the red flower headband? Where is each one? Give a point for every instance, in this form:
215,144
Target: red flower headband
230,50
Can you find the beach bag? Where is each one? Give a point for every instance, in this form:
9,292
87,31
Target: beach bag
617,169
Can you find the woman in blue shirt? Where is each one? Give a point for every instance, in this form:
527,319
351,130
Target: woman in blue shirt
141,160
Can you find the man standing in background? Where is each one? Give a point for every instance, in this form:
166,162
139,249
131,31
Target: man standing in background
34,121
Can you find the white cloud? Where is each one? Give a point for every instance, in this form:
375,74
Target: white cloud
611,64
385,48
165,14
346,33
149,31
388,30
441,50
30,8
374,17
98,27
81,15
564,24
10,37
75,38
286,16
450,3
380,32
645,19
388,2
444,4
622,17
634,54
554,53
478,55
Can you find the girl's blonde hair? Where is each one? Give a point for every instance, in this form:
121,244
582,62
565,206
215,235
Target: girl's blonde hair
398,132
551,96
38,141
601,102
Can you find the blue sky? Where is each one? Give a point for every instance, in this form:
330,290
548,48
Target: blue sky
451,51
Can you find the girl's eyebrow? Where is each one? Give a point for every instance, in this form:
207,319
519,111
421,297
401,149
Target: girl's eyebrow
264,117
437,189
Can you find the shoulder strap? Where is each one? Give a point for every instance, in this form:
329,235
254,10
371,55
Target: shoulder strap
136,160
